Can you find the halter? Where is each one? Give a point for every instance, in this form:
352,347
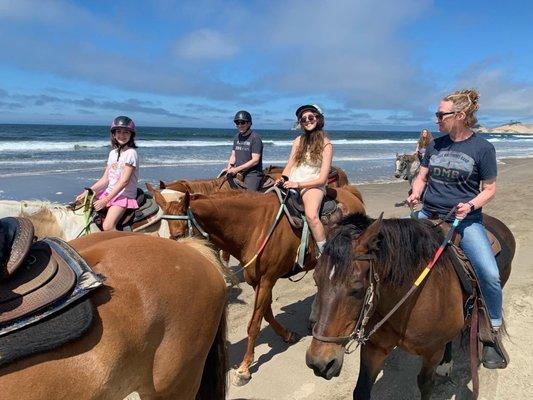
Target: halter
369,305
191,222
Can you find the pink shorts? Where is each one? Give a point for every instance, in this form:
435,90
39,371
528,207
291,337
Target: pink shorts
121,201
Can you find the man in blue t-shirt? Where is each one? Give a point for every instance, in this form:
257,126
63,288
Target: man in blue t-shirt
247,153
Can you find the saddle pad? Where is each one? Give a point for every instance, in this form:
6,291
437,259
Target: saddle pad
48,334
58,286
36,271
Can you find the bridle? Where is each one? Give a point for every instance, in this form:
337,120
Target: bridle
372,293
191,222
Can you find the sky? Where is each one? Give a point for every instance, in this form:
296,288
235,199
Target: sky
377,65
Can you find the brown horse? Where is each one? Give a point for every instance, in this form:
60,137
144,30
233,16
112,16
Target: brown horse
209,186
238,224
388,255
159,327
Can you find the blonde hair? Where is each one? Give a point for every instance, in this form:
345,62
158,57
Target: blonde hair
465,101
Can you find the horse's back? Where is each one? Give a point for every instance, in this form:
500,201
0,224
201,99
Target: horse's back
156,318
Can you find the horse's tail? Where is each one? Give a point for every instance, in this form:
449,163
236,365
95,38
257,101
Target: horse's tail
353,190
213,385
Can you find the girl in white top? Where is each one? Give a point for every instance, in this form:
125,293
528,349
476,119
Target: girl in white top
117,188
308,167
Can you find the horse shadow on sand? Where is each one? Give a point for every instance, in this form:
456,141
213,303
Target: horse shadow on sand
293,317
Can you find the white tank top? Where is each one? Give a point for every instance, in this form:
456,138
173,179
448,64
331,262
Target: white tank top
306,171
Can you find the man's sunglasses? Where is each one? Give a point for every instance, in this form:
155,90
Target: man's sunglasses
440,115
311,118
240,122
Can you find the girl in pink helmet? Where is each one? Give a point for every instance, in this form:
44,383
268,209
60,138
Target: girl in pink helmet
117,188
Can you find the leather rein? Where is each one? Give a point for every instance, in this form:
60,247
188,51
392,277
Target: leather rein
191,222
372,293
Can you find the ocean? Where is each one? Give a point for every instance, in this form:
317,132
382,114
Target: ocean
54,162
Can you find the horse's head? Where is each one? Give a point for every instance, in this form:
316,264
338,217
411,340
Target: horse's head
402,164
172,202
343,276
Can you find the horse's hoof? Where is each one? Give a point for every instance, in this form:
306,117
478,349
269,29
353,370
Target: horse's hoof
445,369
240,378
293,338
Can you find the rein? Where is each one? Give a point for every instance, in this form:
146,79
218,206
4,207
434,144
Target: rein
191,222
358,334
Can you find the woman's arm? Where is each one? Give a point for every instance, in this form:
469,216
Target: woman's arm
488,191
290,162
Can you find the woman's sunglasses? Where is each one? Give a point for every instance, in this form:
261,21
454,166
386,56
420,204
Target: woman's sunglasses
440,115
240,122
310,118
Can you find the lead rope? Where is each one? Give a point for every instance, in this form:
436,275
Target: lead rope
88,215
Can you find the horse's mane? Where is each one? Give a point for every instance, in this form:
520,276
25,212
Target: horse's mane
405,246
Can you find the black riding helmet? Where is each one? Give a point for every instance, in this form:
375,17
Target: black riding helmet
308,107
243,116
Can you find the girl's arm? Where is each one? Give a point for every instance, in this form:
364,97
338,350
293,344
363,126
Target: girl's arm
121,183
327,157
98,186
291,161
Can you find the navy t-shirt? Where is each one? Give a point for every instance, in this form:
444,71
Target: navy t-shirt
244,146
456,170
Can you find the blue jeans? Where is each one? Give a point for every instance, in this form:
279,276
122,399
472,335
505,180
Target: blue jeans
476,247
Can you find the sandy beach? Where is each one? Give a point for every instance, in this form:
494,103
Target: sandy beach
280,371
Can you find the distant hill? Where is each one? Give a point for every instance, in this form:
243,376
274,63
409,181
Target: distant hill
511,127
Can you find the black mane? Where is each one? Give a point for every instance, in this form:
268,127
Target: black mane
405,247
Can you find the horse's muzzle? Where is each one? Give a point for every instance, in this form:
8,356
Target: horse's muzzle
325,367
396,175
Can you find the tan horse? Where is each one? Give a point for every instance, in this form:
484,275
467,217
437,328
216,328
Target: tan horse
238,223
54,219
159,327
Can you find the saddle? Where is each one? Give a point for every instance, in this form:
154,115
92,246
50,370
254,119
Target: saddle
470,285
39,278
237,182
133,220
295,212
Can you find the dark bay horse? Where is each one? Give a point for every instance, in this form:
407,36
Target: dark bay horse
159,327
237,223
389,254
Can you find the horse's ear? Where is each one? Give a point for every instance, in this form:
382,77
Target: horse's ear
396,155
370,237
186,199
150,188
162,185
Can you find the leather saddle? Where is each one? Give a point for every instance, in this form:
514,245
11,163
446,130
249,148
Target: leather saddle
294,208
38,278
237,182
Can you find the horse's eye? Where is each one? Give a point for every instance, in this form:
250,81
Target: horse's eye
357,291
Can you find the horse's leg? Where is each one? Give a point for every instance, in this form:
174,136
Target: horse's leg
263,298
372,358
426,377
446,364
286,335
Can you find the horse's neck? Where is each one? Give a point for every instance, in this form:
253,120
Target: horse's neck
232,221
48,219
204,186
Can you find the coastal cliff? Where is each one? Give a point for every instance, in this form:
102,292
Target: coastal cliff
511,128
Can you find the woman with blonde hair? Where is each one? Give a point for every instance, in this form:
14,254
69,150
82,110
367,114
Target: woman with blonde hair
308,167
459,170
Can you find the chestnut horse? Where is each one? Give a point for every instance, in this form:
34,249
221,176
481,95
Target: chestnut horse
238,223
208,186
388,255
159,327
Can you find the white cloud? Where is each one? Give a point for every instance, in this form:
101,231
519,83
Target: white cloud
205,44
